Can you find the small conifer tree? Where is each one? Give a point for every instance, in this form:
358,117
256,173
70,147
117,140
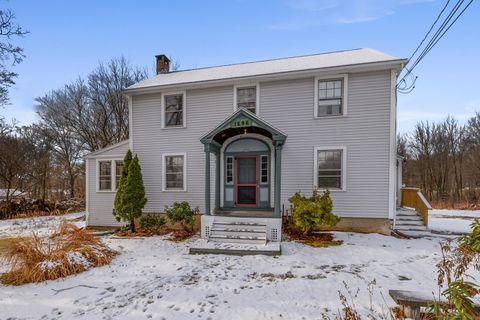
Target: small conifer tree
117,205
133,195
313,212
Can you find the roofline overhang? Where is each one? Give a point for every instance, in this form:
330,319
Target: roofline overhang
110,147
396,64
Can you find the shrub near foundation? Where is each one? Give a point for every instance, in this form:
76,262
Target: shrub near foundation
182,212
313,212
69,250
152,221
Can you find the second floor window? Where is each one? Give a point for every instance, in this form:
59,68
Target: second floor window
330,97
247,98
174,110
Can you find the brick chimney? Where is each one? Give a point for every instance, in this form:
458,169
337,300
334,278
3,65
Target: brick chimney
163,64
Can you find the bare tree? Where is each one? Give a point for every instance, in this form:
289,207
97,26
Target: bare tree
65,142
14,159
9,53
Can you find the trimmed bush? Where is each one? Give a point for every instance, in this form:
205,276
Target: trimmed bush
313,212
182,212
152,221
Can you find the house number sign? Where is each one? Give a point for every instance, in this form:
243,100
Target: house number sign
241,123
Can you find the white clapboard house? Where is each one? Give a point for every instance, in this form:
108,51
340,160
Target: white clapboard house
238,140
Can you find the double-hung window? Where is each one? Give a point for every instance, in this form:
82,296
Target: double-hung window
174,110
105,176
246,97
330,168
330,97
109,173
174,172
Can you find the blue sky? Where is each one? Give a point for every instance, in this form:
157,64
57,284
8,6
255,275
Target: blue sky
69,38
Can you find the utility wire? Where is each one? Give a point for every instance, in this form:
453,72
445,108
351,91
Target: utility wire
435,36
430,30
440,33
443,33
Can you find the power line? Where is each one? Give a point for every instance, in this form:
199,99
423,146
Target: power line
440,33
443,33
430,30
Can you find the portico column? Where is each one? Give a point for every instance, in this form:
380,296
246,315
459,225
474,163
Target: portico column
217,180
278,177
207,179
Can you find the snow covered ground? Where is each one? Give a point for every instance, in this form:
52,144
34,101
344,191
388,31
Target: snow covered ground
39,225
456,221
153,278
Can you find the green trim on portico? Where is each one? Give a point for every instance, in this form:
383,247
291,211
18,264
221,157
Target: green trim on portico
240,122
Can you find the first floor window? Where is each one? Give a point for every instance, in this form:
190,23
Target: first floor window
173,110
118,172
329,169
174,172
330,97
247,98
105,175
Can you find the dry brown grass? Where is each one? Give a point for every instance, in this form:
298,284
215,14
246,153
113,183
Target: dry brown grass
462,205
69,250
316,240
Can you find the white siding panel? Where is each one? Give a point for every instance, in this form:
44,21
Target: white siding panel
364,132
205,109
100,204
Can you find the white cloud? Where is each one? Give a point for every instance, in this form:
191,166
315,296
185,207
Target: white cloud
309,13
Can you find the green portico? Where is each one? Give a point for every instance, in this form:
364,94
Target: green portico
248,164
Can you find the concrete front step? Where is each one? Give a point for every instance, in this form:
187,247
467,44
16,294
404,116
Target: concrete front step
239,226
202,246
238,233
238,239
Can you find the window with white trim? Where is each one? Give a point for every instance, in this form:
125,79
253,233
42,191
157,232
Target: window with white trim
108,174
174,172
105,175
330,169
246,97
330,97
173,110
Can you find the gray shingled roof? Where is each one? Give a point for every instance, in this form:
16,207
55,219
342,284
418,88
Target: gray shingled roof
268,67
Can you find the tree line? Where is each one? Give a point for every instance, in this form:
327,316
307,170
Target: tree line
45,159
443,159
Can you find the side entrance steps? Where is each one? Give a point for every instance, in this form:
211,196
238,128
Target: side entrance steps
239,232
411,225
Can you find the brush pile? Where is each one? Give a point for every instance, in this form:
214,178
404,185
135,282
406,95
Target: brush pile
69,250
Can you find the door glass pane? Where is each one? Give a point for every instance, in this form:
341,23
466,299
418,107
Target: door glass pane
247,171
247,195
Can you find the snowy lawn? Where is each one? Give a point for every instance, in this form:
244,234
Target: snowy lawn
40,225
456,221
158,279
